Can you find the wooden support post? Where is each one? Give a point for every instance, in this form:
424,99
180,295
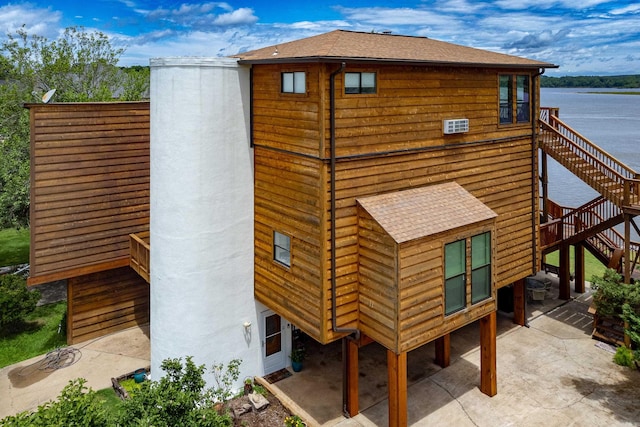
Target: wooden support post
627,249
488,375
544,178
70,311
443,351
565,273
578,254
350,347
397,377
519,303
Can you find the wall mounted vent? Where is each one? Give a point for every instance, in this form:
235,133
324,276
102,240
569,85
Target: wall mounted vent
456,126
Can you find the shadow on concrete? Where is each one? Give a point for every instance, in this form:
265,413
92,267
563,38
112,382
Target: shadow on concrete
317,389
620,398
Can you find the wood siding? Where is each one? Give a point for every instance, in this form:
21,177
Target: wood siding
289,121
288,199
401,292
378,298
89,186
388,141
102,303
421,308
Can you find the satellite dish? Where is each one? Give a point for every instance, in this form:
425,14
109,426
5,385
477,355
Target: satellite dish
47,96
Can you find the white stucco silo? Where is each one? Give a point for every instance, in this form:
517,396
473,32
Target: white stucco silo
202,214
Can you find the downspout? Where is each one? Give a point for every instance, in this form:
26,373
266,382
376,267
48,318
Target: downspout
534,164
334,320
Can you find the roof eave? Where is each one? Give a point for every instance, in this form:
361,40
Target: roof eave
356,60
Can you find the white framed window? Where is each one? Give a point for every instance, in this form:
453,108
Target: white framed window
282,248
359,82
294,82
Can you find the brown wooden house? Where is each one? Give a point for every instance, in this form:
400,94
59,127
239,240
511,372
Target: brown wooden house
395,191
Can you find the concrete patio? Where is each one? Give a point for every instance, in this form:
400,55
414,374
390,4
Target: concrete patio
551,373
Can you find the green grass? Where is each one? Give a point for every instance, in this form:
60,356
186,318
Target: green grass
14,246
592,267
110,400
37,335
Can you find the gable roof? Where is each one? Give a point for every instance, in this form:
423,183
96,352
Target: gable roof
341,45
419,212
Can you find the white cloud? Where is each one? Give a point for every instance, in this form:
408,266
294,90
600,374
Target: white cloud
242,16
41,21
593,36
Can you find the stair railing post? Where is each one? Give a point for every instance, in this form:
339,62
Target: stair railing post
627,248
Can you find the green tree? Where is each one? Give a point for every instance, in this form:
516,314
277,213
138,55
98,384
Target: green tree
81,66
16,300
136,84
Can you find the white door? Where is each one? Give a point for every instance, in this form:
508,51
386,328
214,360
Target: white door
272,341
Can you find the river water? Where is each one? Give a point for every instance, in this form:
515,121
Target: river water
610,121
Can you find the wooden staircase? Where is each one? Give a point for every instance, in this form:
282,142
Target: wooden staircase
611,178
592,223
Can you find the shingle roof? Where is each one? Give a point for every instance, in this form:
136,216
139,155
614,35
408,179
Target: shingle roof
342,45
412,214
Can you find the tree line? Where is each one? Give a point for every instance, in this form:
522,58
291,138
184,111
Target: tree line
618,82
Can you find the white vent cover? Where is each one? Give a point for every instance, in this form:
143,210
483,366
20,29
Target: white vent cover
456,126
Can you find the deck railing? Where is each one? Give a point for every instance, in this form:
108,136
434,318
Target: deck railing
139,250
611,178
564,223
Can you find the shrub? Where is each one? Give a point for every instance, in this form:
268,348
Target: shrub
623,356
16,300
611,294
631,315
224,379
76,406
178,399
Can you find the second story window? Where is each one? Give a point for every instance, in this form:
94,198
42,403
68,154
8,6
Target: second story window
523,108
282,248
359,82
294,82
515,106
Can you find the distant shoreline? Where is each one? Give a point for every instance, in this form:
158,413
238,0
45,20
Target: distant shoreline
613,93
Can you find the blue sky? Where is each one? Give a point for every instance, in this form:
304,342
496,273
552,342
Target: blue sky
584,37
